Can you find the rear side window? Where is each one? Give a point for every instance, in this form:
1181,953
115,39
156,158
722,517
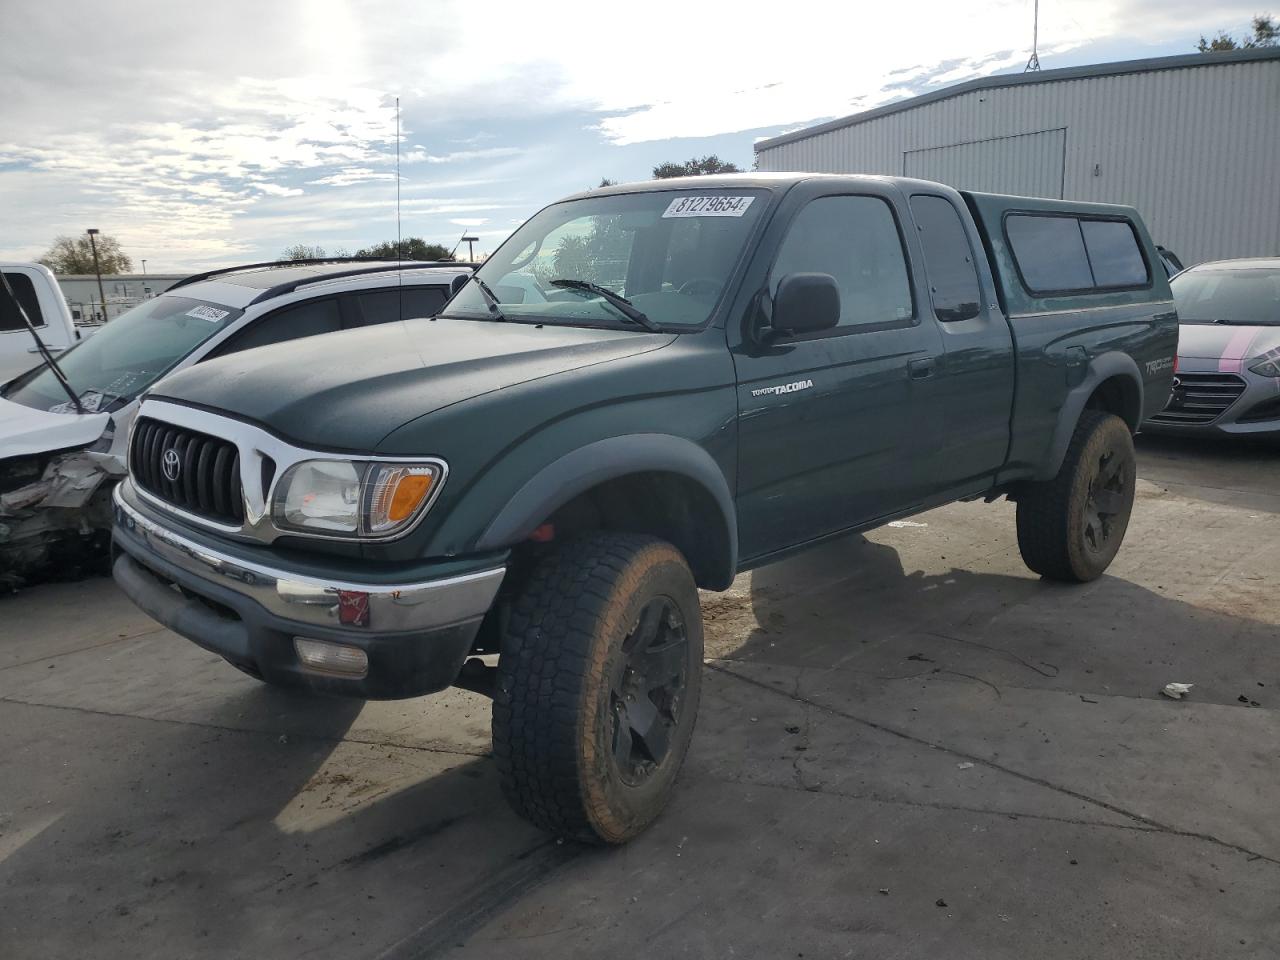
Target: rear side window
856,240
1113,253
384,306
953,278
304,320
1057,254
1050,253
25,290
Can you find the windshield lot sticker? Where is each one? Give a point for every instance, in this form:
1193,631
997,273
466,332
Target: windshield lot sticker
212,314
783,388
707,207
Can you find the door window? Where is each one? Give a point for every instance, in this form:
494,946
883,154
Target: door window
855,240
24,289
953,277
396,303
303,320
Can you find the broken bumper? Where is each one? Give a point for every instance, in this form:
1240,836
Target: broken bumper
416,633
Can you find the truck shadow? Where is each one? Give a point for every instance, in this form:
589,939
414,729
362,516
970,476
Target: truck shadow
851,605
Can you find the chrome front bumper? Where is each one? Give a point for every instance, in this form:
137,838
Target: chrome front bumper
349,604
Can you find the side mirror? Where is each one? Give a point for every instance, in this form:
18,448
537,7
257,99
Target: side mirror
806,302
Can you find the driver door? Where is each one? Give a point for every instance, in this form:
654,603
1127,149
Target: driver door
831,423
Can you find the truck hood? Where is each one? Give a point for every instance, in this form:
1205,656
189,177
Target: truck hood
348,390
25,431
1223,341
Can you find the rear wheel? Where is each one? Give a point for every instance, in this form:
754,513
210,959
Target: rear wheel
1070,528
598,684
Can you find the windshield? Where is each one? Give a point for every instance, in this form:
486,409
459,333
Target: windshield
669,252
1245,297
125,356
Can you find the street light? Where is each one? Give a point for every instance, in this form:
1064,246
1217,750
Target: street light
144,268
471,250
93,232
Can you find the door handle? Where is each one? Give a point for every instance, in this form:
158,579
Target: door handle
922,368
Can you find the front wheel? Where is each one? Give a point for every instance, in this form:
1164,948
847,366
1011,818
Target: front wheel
598,683
1070,527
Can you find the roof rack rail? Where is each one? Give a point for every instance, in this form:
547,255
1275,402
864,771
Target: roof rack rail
281,289
310,262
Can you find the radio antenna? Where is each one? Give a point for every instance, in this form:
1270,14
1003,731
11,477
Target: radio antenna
1033,65
399,246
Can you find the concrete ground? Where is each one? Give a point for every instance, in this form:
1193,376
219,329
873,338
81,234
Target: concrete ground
908,747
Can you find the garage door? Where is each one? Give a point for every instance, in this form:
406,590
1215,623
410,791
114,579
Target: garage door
1028,165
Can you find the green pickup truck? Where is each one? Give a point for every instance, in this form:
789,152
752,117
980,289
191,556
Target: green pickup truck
647,390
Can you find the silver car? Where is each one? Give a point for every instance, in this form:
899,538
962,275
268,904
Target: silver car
1228,374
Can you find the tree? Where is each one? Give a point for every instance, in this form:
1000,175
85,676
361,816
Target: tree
606,182
411,248
1266,33
300,251
694,167
75,255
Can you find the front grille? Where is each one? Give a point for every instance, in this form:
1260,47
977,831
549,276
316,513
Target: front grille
1201,397
1266,410
207,470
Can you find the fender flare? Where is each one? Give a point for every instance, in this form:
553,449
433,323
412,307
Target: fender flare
1101,368
588,466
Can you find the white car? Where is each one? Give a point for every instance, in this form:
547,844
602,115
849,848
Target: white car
55,452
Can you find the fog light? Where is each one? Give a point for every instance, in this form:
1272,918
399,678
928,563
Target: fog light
331,657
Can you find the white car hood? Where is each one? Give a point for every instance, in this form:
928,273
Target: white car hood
25,430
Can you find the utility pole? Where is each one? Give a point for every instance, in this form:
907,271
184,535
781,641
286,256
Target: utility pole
98,270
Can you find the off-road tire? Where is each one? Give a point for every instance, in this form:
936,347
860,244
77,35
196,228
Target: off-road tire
555,710
1062,534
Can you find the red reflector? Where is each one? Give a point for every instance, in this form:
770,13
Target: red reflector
544,534
353,608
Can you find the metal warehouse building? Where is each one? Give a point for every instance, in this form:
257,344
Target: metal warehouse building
1192,141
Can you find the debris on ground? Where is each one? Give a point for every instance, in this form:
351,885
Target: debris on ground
939,902
899,524
884,891
964,766
1243,698
1176,691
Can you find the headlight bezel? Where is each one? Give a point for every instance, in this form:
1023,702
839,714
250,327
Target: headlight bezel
368,470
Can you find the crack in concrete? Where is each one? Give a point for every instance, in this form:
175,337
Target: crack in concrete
975,758
257,731
937,805
92,646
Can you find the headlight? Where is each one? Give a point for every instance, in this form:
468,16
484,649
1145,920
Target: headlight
353,498
1268,364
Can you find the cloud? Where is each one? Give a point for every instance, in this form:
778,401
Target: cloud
420,155
470,221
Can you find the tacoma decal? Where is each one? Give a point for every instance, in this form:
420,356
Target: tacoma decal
1155,366
783,388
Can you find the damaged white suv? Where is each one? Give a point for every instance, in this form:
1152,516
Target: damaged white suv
63,438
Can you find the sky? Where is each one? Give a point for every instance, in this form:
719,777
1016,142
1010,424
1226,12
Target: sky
211,134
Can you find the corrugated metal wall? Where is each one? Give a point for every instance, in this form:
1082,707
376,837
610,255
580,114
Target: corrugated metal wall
1196,150
1030,164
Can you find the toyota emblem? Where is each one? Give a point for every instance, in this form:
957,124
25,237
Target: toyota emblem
171,464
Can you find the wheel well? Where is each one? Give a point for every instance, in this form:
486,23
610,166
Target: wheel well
1118,395
670,506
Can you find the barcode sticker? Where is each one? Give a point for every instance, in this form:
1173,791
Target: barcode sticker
212,314
715,206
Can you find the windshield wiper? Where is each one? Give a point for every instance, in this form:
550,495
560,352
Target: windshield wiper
489,297
44,351
622,303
